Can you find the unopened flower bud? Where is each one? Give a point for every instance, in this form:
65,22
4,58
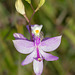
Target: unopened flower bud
20,7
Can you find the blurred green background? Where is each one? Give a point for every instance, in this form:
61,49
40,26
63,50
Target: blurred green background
57,18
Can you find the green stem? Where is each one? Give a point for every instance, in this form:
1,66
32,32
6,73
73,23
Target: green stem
30,25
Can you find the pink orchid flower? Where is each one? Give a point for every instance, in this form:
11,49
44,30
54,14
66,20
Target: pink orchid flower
36,48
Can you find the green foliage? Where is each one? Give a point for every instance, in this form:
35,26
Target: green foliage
57,17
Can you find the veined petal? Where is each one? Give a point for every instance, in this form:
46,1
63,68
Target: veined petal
29,58
46,38
24,46
38,67
50,44
48,57
18,36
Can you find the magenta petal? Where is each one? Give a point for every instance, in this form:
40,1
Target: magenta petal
48,57
18,36
24,46
51,44
38,67
29,58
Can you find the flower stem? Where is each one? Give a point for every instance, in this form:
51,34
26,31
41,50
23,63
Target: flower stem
29,21
26,18
30,25
32,7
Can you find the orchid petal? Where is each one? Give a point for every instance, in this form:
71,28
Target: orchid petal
29,58
38,67
24,46
36,27
46,38
48,57
51,44
28,27
18,36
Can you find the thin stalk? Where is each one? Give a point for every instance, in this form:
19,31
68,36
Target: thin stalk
30,25
29,21
26,18
32,7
